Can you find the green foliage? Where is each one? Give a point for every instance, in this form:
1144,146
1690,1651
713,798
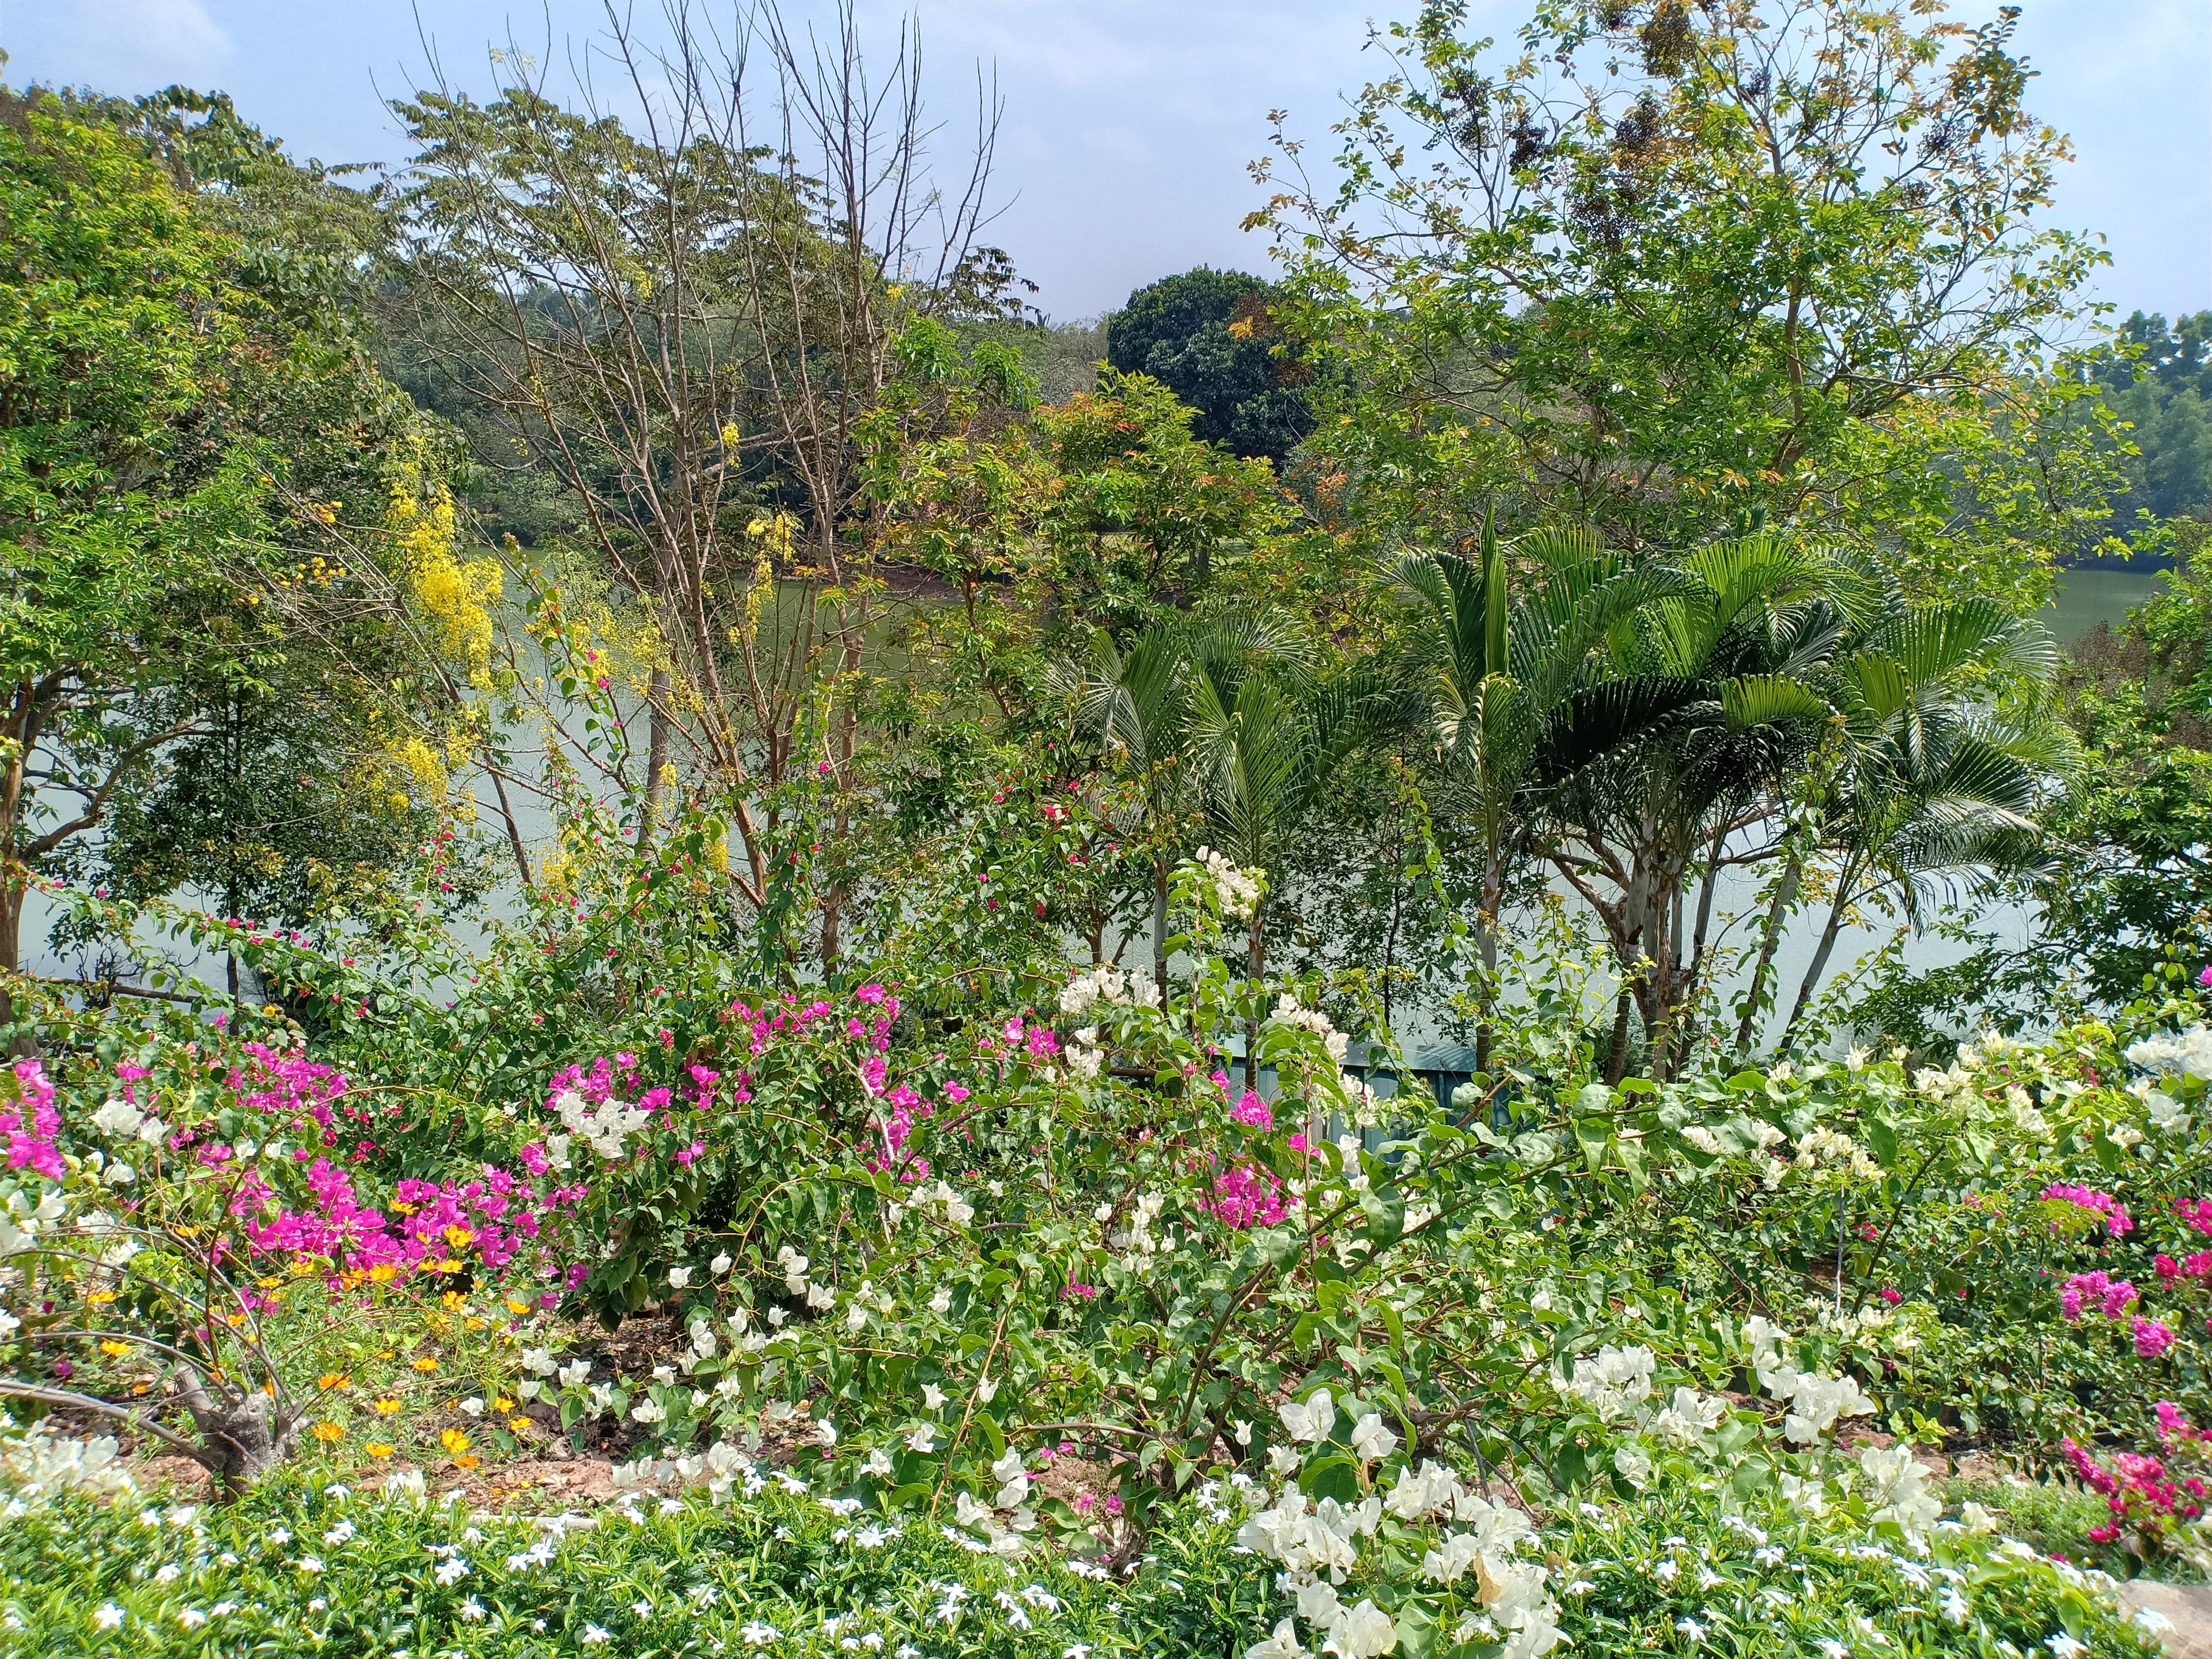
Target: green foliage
649,1578
1662,290
1208,336
2158,380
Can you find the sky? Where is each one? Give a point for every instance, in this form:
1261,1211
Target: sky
1128,124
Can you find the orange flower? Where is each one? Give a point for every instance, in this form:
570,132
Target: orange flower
380,1449
334,1380
502,1403
424,1364
384,1408
453,1441
383,1273
115,1350
516,1307
467,1463
459,1237
329,1433
101,1298
519,1425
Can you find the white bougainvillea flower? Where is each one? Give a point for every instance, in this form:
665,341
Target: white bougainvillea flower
1312,1421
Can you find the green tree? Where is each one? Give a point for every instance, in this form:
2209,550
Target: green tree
1662,264
120,511
1208,336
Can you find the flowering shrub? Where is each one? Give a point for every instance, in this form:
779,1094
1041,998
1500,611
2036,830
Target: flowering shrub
302,1568
2149,1497
194,1244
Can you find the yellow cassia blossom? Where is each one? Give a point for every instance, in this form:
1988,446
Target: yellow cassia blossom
456,596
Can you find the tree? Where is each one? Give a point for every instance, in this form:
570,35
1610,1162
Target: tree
1674,741
1208,336
687,321
1490,668
1674,264
1938,776
2159,380
1147,511
123,503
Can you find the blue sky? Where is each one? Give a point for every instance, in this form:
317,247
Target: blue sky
1128,123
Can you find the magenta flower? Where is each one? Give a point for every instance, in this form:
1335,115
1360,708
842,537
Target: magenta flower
1252,1111
2152,1337
2117,1218
31,1145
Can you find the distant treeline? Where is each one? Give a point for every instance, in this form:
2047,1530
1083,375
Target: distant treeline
2159,379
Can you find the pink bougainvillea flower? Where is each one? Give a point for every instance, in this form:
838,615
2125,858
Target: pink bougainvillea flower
2117,1218
1252,1111
2152,1337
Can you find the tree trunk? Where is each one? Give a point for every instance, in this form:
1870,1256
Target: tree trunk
1258,964
1616,1058
1160,922
507,813
1828,935
1485,945
247,1436
1785,895
12,890
656,752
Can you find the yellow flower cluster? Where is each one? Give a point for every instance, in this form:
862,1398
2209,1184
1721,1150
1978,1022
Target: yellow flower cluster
457,597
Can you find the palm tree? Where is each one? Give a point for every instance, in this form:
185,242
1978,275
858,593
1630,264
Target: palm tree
1134,705
1490,674
1141,706
1676,737
1937,779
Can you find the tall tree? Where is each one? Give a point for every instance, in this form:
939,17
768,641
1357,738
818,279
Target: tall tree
124,502
1206,336
1663,264
686,320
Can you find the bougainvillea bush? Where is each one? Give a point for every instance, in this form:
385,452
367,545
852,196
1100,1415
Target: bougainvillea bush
1024,1274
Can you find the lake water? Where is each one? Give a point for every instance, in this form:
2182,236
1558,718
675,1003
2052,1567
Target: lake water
2085,598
